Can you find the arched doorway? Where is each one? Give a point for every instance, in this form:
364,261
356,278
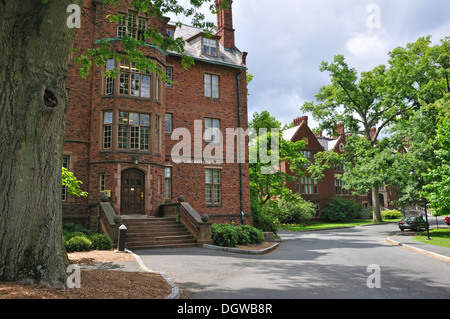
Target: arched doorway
132,192
381,197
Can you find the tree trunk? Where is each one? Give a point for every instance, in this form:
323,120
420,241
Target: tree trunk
376,205
35,43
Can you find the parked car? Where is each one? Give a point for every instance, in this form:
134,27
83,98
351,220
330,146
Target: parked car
447,220
415,223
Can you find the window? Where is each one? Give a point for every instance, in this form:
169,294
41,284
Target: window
169,74
168,183
209,47
132,81
212,86
306,185
157,125
131,25
133,131
213,186
109,81
65,164
212,130
340,188
168,123
101,182
308,156
107,129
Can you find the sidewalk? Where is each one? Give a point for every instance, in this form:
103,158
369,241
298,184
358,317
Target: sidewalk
408,242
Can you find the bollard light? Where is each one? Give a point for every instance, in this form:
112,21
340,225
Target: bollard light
122,236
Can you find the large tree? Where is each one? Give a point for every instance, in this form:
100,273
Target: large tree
35,42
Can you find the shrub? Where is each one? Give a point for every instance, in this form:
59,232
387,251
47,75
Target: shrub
391,214
294,210
224,235
78,243
90,241
101,242
227,235
263,219
340,209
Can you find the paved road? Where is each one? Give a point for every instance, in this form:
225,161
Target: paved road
325,264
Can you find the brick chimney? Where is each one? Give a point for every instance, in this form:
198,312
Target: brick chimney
373,131
225,24
300,120
340,129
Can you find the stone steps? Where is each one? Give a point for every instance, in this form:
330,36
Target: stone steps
155,232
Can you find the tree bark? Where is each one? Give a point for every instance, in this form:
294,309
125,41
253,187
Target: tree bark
35,43
376,205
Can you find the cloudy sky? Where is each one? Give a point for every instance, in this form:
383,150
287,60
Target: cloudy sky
288,39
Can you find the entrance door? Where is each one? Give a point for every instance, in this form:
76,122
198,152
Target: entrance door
132,192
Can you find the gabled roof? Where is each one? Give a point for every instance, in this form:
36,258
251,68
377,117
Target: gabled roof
229,57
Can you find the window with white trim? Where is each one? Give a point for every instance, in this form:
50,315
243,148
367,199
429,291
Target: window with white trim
213,186
211,86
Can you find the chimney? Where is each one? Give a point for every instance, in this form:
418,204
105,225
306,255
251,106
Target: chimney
225,24
300,120
340,129
373,131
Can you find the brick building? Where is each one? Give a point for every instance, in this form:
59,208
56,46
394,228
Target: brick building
321,192
120,132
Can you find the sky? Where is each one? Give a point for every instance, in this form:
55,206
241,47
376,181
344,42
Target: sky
287,40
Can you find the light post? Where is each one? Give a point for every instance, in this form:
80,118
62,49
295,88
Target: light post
424,204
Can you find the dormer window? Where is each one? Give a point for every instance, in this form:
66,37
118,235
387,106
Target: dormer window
209,47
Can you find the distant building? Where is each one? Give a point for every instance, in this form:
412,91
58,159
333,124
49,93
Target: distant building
321,192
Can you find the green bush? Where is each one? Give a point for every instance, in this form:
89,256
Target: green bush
101,242
294,210
391,214
88,241
263,218
227,235
224,235
78,243
340,209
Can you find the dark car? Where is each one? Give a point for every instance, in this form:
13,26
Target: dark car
415,223
447,220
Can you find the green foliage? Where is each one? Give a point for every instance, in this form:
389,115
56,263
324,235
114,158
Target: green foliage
262,219
292,210
391,214
72,183
101,242
77,238
227,235
78,243
340,209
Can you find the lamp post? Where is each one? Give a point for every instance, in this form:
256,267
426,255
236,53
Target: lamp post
424,204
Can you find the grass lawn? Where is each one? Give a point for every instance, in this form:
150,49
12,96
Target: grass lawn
440,237
318,225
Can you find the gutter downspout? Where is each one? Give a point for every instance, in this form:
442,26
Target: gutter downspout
241,195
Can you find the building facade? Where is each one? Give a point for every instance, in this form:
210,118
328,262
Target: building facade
138,139
321,192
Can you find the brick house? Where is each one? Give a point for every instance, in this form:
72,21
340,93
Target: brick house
321,192
120,132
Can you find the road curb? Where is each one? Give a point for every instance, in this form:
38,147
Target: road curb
425,252
241,251
175,294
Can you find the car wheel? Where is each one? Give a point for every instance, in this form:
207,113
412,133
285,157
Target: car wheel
401,229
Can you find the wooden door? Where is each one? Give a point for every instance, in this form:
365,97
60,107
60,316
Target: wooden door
132,192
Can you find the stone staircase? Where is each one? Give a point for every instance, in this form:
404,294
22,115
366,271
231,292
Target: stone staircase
157,232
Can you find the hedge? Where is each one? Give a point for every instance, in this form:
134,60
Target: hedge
227,235
76,238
